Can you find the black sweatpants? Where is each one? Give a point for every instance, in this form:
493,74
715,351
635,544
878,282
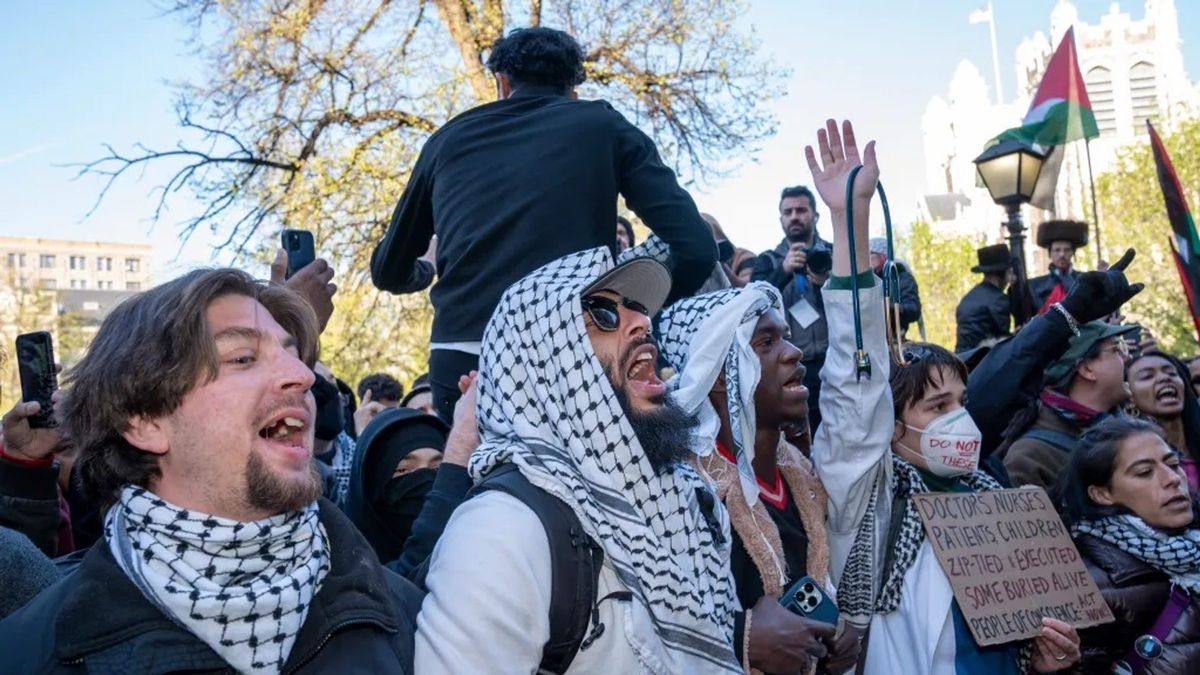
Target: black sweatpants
445,367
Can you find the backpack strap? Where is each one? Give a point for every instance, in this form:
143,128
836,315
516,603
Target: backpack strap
575,562
1062,441
1148,647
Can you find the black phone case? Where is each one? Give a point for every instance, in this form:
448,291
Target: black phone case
300,249
35,361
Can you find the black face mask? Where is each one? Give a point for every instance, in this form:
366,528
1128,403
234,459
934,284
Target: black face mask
330,413
725,251
402,499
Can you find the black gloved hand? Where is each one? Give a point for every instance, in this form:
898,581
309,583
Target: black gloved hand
1098,294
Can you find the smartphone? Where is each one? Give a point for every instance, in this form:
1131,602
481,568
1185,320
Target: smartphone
1133,339
809,600
35,361
300,250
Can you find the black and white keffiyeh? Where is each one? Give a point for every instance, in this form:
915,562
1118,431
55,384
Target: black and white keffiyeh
653,247
244,589
700,338
546,405
1175,555
856,596
657,249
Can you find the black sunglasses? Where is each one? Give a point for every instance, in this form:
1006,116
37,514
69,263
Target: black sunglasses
604,311
910,354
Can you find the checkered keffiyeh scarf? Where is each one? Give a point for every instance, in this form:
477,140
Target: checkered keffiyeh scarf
242,588
653,247
863,572
1177,556
547,406
702,337
342,468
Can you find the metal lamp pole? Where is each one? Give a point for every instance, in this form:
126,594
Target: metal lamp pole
1022,301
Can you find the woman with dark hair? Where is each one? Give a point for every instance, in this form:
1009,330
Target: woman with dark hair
1159,383
1124,497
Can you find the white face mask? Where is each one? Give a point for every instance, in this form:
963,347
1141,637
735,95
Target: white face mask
950,444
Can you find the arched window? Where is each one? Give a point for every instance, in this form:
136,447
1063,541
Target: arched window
1143,94
1100,91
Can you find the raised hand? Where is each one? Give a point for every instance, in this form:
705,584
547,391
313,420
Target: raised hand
313,282
839,155
464,435
24,442
367,410
1098,294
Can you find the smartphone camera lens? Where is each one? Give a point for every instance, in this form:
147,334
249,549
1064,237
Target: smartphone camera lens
809,588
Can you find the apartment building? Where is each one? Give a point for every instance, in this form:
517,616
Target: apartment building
53,264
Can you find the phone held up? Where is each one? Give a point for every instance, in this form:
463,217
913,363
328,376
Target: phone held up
807,599
300,250
35,361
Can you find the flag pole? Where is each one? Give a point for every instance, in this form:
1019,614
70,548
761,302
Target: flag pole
995,58
1087,143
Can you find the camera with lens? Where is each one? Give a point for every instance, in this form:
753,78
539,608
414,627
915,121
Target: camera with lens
820,258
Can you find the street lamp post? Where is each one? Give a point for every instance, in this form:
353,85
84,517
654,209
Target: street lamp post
1010,171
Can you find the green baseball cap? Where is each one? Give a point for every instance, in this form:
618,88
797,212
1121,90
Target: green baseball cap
1089,334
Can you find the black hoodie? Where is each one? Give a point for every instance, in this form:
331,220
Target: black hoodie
449,489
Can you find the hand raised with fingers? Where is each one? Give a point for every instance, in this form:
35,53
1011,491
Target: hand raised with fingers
367,410
313,282
24,442
838,156
464,435
1098,294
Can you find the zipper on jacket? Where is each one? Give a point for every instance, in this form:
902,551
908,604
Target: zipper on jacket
329,636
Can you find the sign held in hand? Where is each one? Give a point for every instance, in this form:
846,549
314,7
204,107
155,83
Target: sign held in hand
1010,561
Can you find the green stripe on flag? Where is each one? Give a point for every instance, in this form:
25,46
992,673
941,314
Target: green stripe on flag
1064,122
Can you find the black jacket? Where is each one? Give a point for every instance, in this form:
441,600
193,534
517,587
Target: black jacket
1041,287
982,314
512,185
813,339
29,503
1010,376
1136,593
96,621
910,297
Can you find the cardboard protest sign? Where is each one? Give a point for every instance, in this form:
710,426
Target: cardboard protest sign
1010,561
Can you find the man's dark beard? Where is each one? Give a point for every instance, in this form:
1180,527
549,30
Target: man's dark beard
665,432
805,236
271,493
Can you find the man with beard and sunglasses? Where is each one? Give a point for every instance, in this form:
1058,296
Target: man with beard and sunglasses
194,422
570,404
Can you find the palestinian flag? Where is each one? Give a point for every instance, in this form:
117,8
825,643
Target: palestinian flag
1184,241
1060,111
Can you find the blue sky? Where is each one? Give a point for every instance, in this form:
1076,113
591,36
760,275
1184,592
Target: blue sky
80,74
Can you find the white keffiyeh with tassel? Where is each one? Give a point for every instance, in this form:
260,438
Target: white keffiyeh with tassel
705,336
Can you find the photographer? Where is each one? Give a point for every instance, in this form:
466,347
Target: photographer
798,267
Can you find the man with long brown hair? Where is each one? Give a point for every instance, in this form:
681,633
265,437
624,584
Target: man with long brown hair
194,423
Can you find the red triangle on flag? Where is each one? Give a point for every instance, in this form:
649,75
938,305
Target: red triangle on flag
1062,79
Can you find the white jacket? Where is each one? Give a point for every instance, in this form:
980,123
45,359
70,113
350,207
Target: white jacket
853,446
488,607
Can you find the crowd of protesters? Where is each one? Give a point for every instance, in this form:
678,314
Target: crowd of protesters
624,455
